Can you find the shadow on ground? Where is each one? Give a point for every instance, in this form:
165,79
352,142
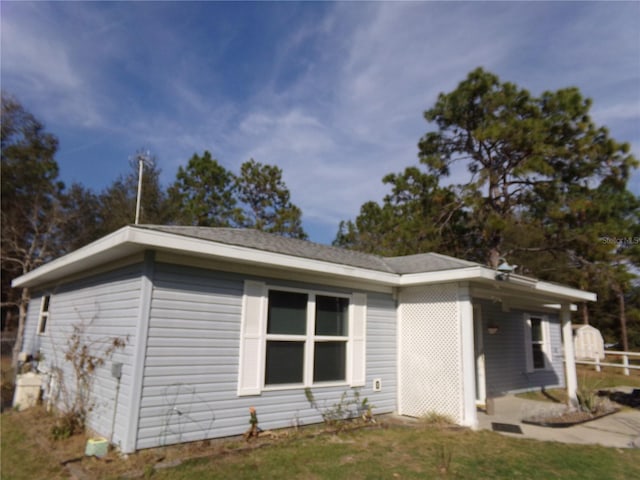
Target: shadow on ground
623,398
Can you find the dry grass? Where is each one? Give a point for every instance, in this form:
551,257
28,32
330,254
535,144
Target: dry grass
27,434
6,382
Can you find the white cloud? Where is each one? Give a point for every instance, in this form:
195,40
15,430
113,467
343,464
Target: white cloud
337,106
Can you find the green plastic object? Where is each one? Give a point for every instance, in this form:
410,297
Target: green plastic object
97,447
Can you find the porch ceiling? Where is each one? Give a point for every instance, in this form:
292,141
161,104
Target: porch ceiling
518,297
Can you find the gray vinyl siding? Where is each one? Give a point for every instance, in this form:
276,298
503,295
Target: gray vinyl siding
108,305
505,354
381,352
31,340
191,371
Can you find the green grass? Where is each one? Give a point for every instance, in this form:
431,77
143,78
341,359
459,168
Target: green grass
420,452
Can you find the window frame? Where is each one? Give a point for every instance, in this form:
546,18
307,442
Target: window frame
544,342
309,339
43,314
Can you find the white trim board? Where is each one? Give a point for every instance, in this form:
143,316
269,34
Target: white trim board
130,240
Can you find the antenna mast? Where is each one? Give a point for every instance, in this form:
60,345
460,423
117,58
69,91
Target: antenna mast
143,157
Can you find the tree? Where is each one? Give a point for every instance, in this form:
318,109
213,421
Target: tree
118,201
31,210
546,187
520,149
82,218
203,194
266,201
538,164
415,217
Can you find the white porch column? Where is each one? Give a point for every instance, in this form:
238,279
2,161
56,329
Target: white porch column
468,361
569,355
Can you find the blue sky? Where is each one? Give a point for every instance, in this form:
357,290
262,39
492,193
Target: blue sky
332,93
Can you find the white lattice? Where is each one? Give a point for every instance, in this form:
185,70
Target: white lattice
430,355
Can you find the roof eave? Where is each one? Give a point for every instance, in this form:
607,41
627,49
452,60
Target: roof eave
130,240
113,246
514,282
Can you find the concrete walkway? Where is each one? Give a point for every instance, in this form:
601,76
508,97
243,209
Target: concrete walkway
620,430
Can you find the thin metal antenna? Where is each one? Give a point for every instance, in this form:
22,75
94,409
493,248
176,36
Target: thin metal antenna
144,158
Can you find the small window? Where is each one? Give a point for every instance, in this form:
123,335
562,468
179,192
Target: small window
537,343
44,315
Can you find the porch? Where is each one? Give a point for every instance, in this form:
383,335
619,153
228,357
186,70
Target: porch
461,343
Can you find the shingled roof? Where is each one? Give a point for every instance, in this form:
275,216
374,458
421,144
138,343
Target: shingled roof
251,238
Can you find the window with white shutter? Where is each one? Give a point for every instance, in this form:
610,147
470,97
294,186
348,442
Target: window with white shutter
294,338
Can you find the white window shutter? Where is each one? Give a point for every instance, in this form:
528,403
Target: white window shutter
358,339
528,353
546,332
251,338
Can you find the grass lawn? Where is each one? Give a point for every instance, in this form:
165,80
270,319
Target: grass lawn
424,452
421,451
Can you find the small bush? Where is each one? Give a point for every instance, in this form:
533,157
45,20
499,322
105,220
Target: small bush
587,395
434,418
67,425
347,408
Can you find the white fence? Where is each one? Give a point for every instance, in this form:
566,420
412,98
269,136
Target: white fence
624,365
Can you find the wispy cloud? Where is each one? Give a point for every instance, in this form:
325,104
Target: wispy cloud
333,93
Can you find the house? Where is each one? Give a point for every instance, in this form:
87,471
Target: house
219,320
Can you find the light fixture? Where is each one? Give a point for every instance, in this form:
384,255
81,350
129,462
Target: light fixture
493,329
504,270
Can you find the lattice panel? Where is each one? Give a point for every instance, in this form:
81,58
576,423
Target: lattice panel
430,352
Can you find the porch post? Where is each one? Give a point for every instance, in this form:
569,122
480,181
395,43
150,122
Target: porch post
470,416
569,356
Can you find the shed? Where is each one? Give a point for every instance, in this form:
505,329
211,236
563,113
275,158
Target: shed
588,343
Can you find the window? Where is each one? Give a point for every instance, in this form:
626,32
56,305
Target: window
307,336
292,338
537,343
44,315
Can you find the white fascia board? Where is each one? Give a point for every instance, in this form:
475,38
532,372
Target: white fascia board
459,274
568,293
208,248
111,247
558,306
130,239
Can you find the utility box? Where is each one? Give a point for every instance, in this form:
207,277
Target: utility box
27,391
